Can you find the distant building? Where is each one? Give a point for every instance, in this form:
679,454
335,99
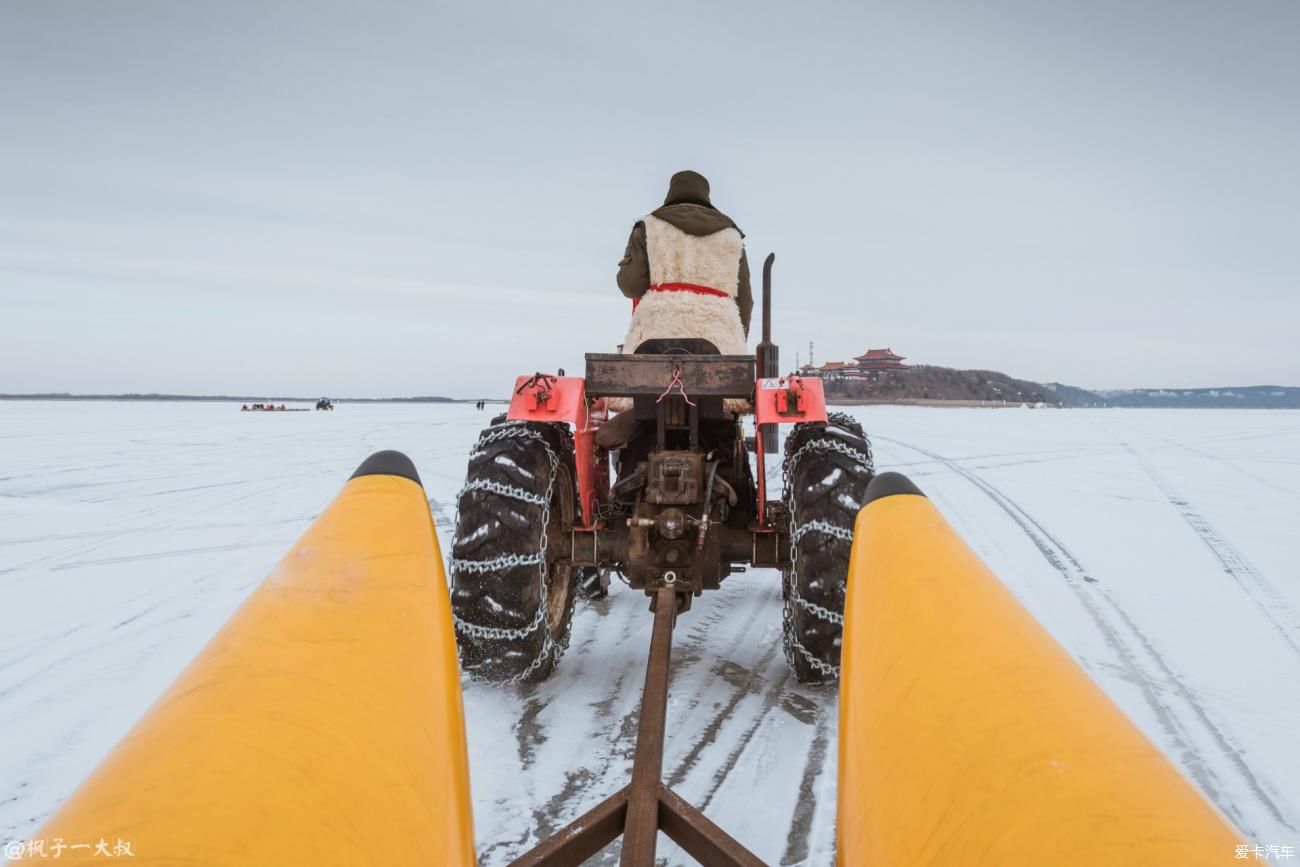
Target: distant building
869,365
881,359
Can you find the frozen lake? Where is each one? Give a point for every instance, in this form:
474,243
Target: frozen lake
1159,546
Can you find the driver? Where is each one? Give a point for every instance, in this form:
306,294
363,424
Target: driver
686,273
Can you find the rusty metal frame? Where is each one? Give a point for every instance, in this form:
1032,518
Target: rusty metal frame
644,807
614,375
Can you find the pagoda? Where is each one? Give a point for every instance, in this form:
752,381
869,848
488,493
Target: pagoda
880,359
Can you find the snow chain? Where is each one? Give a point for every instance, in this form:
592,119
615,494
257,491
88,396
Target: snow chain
791,641
501,489
474,630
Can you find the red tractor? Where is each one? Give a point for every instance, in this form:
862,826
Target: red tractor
540,520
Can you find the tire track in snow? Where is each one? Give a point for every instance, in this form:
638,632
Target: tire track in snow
590,780
146,531
181,552
704,655
771,698
745,683
799,837
1234,564
1236,467
444,517
1171,723
768,679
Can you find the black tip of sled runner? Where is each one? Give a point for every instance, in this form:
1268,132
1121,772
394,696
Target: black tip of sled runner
888,485
388,463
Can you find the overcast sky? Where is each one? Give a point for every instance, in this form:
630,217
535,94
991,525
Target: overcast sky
426,198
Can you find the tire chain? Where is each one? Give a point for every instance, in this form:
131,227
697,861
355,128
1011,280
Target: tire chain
501,489
790,640
513,430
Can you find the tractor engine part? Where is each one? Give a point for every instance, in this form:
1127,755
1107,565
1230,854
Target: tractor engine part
675,478
671,523
620,430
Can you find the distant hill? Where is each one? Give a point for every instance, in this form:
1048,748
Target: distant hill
1072,395
926,382
1237,397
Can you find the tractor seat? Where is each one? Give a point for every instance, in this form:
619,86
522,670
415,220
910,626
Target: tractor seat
677,346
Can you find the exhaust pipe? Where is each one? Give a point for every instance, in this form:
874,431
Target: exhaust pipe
767,355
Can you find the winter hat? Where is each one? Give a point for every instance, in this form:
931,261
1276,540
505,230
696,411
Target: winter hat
688,188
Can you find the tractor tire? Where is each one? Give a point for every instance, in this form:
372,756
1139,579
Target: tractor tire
827,470
512,605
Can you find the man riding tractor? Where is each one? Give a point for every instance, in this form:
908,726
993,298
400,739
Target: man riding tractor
686,273
540,520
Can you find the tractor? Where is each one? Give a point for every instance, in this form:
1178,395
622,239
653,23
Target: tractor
641,468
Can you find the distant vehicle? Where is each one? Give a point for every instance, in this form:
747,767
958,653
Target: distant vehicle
270,407
325,403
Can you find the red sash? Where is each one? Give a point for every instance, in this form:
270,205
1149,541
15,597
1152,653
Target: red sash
682,287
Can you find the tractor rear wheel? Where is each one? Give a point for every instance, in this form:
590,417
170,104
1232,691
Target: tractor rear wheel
511,603
827,469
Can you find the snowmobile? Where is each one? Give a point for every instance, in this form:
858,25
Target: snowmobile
542,520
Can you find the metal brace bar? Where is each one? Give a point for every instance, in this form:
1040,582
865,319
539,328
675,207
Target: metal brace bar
642,830
702,840
581,838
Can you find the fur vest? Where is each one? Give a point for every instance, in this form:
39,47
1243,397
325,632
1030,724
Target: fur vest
706,260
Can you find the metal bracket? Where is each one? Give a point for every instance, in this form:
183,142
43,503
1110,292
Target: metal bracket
594,535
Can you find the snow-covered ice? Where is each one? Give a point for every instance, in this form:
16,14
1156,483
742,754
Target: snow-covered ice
1160,548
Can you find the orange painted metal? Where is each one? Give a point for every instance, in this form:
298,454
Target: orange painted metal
563,400
549,398
788,400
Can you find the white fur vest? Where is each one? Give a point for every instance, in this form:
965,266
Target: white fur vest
709,260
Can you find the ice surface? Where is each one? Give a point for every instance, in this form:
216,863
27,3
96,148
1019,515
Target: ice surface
1159,546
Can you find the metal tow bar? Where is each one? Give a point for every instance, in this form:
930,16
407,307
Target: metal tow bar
644,807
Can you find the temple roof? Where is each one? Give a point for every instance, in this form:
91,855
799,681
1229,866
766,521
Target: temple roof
879,355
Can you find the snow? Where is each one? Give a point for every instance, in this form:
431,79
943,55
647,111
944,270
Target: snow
1158,546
